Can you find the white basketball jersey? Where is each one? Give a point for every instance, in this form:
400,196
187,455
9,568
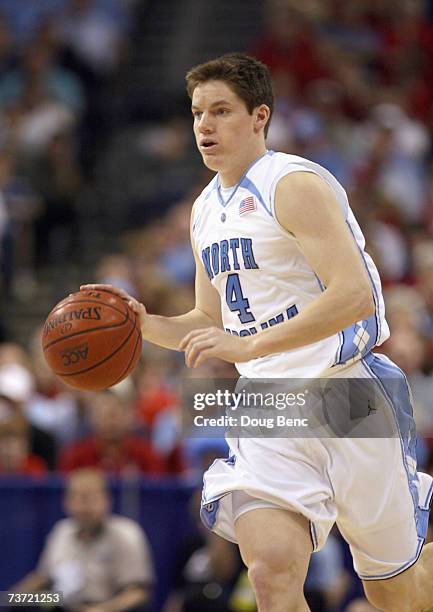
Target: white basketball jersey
262,276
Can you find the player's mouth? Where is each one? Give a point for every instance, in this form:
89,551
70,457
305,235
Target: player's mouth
208,146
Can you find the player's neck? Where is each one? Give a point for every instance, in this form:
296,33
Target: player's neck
232,176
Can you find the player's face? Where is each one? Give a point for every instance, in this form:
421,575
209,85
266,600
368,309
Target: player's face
227,135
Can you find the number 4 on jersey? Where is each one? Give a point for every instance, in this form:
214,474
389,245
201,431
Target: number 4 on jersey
236,301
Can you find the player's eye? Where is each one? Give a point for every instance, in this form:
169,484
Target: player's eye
222,111
197,114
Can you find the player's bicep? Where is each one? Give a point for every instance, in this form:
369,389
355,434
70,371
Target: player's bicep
306,206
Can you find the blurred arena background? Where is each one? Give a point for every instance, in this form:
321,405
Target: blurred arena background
98,172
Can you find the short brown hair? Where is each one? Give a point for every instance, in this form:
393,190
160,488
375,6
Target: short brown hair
249,79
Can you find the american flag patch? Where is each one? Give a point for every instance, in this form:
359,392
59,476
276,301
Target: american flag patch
247,205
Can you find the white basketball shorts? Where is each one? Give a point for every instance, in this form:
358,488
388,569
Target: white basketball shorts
370,487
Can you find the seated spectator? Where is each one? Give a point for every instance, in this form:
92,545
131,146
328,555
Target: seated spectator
15,456
112,446
39,67
52,406
19,207
34,119
56,177
94,33
16,386
99,561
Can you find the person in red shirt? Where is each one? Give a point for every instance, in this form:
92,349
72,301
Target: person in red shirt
16,458
112,445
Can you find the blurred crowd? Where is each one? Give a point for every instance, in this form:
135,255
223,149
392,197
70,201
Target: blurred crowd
354,92
58,61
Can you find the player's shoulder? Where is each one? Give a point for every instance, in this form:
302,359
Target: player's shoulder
263,176
303,170
286,162
273,166
277,160
297,171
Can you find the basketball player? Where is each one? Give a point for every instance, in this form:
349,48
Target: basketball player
285,289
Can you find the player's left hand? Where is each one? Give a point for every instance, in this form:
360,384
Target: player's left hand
202,344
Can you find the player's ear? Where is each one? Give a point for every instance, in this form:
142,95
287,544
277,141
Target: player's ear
261,115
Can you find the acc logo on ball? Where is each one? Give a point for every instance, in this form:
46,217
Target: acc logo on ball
73,355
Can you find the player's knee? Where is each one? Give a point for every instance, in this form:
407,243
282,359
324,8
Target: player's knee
389,600
269,577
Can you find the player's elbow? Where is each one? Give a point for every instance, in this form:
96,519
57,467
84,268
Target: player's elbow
363,302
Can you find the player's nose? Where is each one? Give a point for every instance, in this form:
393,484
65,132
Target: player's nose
205,125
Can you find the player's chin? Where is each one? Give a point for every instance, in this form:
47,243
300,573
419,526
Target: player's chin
213,162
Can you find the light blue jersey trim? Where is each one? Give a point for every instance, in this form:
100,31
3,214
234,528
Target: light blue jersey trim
354,342
239,184
246,183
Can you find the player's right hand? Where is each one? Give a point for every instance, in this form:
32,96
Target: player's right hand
134,304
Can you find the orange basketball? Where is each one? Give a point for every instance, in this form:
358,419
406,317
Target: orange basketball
92,340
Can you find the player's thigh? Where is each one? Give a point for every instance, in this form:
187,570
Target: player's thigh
275,539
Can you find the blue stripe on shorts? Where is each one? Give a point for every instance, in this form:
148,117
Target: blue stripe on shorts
395,388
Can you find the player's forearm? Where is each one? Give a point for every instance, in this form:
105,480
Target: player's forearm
331,312
169,331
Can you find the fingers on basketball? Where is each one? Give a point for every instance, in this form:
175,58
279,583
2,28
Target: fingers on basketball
110,288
